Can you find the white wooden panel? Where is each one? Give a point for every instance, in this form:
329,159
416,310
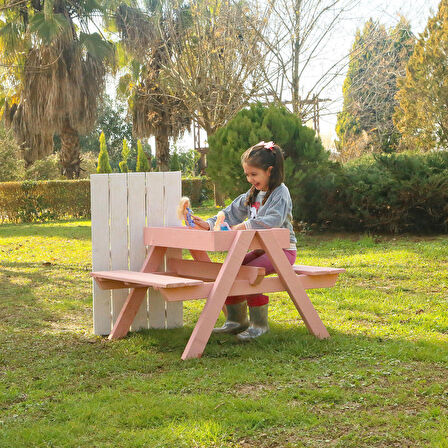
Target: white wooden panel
137,219
118,235
173,192
155,217
99,199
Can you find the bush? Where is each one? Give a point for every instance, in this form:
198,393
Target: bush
11,164
47,168
308,170
30,201
404,192
198,189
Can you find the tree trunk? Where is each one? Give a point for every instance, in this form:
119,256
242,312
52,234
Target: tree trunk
219,197
163,150
70,151
295,58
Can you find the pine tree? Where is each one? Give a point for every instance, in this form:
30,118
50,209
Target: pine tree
378,57
422,115
125,153
142,159
103,157
307,165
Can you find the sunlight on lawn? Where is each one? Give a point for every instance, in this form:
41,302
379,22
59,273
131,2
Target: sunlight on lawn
380,380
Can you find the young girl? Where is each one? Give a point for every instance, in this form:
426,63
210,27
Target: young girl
266,205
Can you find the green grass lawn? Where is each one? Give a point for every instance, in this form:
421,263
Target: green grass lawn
379,381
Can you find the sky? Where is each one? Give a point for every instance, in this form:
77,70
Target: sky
388,12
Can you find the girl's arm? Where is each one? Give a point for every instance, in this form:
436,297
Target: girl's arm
235,213
274,216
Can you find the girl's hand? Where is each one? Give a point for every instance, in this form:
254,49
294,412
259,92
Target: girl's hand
202,225
240,226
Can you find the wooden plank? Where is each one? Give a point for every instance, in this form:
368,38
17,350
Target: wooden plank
209,271
205,240
221,288
173,192
99,191
242,287
293,285
155,217
118,235
137,221
147,279
316,270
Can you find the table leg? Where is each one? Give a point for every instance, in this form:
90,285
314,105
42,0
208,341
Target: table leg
221,288
293,285
136,296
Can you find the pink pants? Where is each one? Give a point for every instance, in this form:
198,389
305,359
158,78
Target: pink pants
260,259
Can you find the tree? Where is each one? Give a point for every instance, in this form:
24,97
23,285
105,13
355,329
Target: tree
153,111
212,59
378,58
125,153
142,159
297,34
422,116
11,166
54,68
103,158
307,165
116,125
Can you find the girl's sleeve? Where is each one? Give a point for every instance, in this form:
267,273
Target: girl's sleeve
235,213
274,216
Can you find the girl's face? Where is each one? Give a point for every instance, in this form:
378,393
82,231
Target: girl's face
258,177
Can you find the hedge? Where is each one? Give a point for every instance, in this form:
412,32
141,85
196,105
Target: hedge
32,201
394,193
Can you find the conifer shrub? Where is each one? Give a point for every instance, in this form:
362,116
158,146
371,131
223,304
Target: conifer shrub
308,170
395,193
142,159
125,152
103,157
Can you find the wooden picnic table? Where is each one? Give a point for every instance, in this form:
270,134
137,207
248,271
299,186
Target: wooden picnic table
200,278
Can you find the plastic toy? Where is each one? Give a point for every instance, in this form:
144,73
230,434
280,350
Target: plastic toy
184,212
220,223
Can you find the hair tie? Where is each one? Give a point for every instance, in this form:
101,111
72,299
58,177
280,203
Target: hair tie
267,145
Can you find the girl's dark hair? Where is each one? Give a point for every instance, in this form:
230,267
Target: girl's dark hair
262,156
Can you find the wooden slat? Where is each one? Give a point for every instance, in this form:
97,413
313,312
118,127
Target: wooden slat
147,279
99,190
118,235
242,287
137,221
203,240
155,217
209,271
316,270
173,192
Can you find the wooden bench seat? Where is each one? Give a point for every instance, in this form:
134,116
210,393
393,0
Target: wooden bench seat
131,279
192,273
316,270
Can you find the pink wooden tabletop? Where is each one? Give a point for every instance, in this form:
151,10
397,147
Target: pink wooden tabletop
186,238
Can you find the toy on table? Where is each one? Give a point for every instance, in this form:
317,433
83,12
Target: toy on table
220,223
184,211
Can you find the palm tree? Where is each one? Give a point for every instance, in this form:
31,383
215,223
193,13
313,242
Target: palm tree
54,72
154,111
